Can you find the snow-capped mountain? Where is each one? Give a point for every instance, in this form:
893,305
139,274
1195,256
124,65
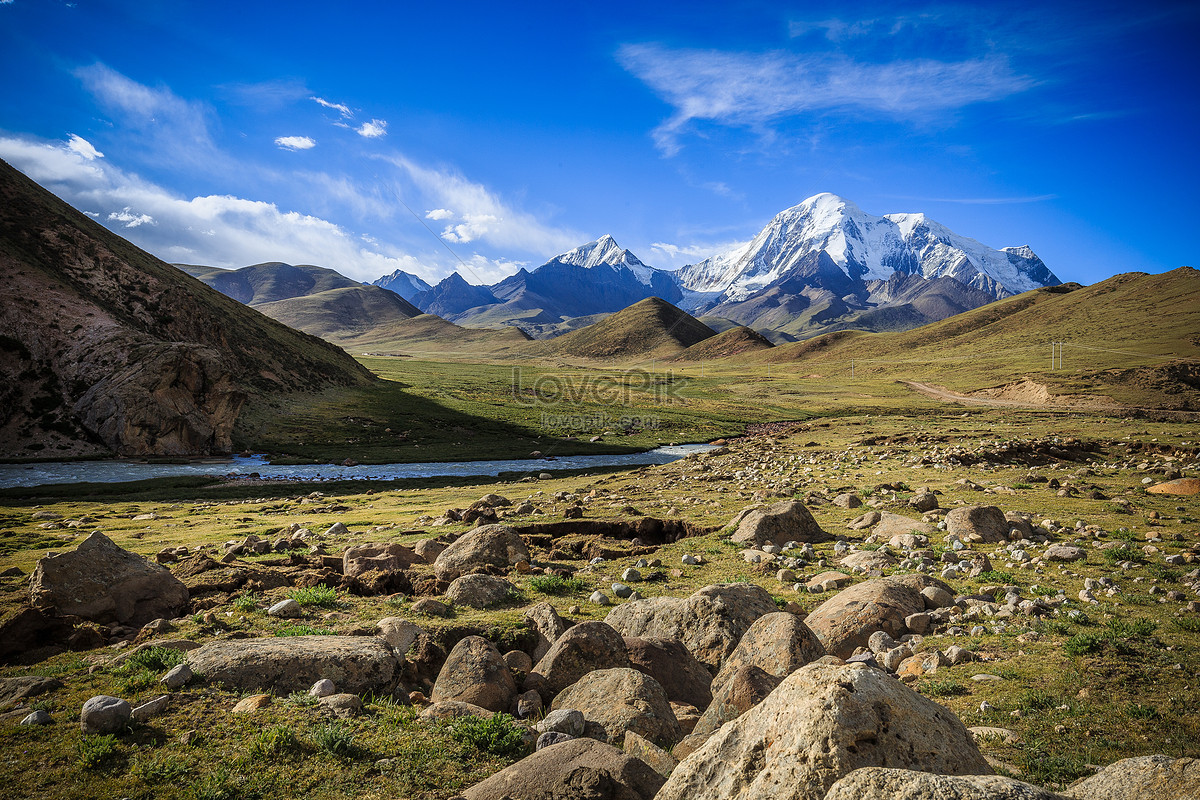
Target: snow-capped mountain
598,277
865,248
403,283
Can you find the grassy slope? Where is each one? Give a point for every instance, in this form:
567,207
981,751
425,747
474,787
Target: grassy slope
343,313
650,328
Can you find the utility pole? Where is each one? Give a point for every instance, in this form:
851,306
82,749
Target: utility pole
852,369
1056,355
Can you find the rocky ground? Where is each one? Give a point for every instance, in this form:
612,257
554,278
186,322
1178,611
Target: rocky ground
992,604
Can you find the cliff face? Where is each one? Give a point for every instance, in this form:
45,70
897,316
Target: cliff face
104,348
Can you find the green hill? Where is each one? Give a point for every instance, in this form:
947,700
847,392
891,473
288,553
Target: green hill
651,328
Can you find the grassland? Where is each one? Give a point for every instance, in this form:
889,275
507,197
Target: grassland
1117,682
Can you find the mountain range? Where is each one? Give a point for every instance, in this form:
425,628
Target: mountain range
819,266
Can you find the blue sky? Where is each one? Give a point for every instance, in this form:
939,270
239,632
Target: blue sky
487,136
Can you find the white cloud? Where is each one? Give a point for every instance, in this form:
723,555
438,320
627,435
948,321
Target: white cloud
216,230
439,214
485,217
130,219
373,129
754,90
677,255
341,108
296,142
83,147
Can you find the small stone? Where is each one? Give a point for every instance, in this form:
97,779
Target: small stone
177,677
551,738
252,703
343,706
563,720
631,575
600,598
38,717
151,709
287,609
621,590
322,688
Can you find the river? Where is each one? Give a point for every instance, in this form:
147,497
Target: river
118,471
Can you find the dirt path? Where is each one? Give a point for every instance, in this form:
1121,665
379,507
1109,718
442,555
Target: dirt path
954,397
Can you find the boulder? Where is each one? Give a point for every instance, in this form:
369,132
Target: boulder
475,672
429,549
643,749
1065,552
547,626
985,524
847,620
104,583
571,770
453,709
777,524
385,557
283,665
620,700
871,783
479,591
1180,486
1142,778
895,525
867,560
585,647
822,723
682,677
342,706
742,690
398,633
710,622
104,714
779,643
497,546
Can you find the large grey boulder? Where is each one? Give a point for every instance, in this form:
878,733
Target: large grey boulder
283,665
980,524
682,677
104,714
1143,778
778,643
475,672
897,525
496,546
873,783
710,623
777,524
105,583
546,625
822,723
479,591
620,700
847,620
578,769
585,647
385,557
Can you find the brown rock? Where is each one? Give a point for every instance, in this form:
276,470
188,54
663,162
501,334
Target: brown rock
475,673
254,702
585,647
1181,486
283,665
872,783
547,626
978,524
102,582
620,700
479,591
710,622
743,689
847,620
643,749
779,643
778,523
385,557
682,677
1156,777
572,770
488,545
822,723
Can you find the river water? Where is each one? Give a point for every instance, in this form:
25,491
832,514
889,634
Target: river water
118,471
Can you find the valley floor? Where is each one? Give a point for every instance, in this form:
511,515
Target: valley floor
1106,669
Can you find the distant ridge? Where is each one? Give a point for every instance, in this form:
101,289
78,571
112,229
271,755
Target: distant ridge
104,348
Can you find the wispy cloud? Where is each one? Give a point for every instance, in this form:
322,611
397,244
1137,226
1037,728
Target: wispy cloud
475,213
677,255
373,129
296,142
438,214
84,148
129,219
341,108
754,90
